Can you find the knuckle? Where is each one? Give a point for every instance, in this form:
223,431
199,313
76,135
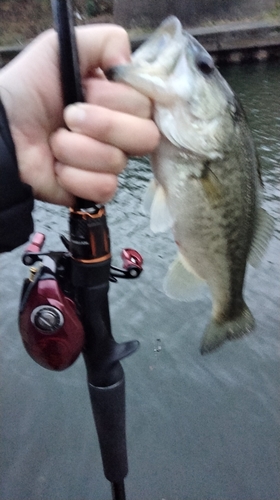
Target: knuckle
154,137
120,32
151,137
108,188
56,142
46,37
146,109
117,160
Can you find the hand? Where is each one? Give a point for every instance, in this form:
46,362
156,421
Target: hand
115,121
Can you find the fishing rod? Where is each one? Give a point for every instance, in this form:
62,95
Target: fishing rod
64,306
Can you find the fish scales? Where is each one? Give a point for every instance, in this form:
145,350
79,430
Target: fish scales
213,249
207,186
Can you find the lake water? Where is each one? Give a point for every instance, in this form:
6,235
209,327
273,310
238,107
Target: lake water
198,428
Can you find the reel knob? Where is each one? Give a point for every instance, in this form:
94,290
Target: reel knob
132,262
47,319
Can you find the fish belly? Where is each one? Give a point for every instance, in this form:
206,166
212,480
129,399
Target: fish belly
213,230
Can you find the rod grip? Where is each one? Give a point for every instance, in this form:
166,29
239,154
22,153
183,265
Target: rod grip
108,406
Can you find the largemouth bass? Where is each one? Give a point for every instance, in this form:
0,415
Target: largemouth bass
207,184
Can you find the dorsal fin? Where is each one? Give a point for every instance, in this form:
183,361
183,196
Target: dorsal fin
263,232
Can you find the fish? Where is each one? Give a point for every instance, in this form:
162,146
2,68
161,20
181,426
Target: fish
207,185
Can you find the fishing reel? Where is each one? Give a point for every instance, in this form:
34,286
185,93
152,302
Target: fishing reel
49,320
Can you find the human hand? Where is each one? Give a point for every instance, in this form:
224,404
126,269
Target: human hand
84,161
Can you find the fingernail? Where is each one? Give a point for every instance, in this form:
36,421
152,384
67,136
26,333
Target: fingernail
74,115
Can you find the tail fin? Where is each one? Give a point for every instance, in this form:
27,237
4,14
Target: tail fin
217,333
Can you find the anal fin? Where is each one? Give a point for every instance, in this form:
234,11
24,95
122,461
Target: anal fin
182,284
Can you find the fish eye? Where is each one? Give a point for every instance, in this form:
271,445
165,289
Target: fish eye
205,65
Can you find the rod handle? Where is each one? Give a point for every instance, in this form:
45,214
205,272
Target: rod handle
108,406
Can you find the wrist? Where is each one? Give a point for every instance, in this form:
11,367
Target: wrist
16,201
8,159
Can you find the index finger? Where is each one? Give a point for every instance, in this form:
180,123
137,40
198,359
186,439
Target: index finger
102,46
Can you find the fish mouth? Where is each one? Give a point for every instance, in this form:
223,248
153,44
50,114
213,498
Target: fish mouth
172,67
162,45
155,60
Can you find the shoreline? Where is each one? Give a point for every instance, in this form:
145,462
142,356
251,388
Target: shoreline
235,42
228,43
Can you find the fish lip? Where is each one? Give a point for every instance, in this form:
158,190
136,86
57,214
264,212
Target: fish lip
150,73
171,24
117,73
148,58
111,73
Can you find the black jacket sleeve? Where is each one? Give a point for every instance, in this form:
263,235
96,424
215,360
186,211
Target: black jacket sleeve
16,200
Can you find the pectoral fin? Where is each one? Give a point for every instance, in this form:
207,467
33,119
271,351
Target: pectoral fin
211,184
161,219
149,196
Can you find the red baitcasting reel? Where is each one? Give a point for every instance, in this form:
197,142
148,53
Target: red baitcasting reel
49,323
